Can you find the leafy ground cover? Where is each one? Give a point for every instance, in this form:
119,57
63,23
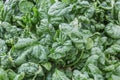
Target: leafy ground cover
60,40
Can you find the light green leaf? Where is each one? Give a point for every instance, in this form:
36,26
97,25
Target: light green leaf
95,72
77,75
59,75
114,77
3,46
25,6
39,52
3,75
47,65
59,8
113,30
19,76
30,69
89,43
11,74
24,42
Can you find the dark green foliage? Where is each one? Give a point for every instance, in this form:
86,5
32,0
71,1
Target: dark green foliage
60,40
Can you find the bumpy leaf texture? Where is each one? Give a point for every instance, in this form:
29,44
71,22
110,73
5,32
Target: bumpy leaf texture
60,40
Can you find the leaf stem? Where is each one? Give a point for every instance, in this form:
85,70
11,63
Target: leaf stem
72,64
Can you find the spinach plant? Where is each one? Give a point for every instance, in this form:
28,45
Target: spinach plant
60,40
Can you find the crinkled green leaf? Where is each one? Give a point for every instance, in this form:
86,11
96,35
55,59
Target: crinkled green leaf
19,76
97,74
3,75
47,65
3,47
30,69
24,42
77,75
59,75
11,74
113,30
59,8
27,8
60,39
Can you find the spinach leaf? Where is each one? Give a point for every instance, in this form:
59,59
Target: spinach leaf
60,40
